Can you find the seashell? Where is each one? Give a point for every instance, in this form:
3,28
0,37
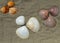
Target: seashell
50,22
10,3
23,32
33,24
4,9
12,10
54,10
44,13
20,20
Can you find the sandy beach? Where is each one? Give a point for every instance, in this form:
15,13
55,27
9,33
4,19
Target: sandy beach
29,8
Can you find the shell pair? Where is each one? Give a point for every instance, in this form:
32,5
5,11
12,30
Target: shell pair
32,24
47,16
9,8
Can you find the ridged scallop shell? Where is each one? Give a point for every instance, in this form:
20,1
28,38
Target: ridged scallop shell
33,24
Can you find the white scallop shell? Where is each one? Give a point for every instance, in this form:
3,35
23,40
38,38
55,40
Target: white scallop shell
33,24
22,32
20,20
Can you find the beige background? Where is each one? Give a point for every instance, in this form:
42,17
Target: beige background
29,8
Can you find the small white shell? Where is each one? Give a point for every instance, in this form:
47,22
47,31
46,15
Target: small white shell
33,24
20,20
23,32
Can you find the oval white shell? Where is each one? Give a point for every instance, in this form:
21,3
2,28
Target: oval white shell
20,20
33,24
23,32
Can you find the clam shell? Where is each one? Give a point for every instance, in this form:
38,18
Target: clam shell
50,22
54,10
20,20
22,32
44,14
33,24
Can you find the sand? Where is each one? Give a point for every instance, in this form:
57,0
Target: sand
29,8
